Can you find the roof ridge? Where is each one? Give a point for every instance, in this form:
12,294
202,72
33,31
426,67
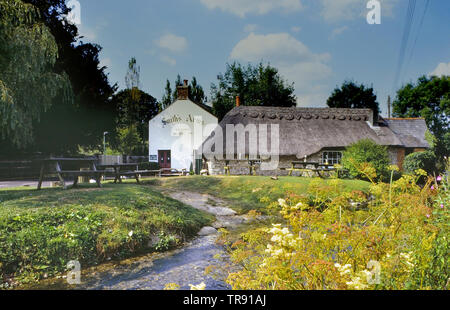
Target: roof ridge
404,118
298,113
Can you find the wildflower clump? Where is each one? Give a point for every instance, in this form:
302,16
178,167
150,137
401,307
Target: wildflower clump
392,237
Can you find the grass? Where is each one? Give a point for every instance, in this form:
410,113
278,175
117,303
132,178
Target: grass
41,231
247,193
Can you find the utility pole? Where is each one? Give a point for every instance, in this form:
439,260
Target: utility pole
389,106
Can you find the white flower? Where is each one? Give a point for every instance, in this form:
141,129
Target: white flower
282,203
130,234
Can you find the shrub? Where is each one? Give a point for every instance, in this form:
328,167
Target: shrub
149,166
364,152
396,239
421,160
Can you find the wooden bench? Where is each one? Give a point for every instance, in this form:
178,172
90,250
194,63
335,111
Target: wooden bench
170,172
54,166
317,168
119,172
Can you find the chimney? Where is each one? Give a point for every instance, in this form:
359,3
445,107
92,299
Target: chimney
238,101
183,91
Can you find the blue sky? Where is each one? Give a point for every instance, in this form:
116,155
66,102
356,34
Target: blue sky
317,44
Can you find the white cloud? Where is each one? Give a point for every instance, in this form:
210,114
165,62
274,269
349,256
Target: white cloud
172,43
279,47
250,28
442,69
296,29
260,7
294,60
316,98
342,10
89,34
105,62
168,60
338,31
92,32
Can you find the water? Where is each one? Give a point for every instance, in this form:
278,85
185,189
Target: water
183,267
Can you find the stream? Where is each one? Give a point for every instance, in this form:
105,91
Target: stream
183,266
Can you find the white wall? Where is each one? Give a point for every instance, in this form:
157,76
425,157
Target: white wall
174,128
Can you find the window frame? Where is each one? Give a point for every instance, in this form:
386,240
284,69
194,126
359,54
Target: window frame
336,157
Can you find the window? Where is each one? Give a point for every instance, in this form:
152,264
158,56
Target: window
331,158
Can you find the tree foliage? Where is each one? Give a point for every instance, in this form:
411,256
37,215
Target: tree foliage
132,79
167,97
420,160
428,98
28,81
353,96
66,125
196,92
177,83
364,152
134,108
259,85
129,141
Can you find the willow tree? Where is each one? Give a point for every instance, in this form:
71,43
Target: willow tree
28,83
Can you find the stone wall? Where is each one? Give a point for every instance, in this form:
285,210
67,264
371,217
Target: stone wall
217,167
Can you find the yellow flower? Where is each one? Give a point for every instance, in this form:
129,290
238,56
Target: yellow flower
171,287
394,168
200,287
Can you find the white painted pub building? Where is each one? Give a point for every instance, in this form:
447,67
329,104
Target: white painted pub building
178,131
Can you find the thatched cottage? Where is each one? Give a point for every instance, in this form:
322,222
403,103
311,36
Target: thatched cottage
310,134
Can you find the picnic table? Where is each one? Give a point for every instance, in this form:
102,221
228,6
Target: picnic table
251,166
57,165
310,167
171,172
130,169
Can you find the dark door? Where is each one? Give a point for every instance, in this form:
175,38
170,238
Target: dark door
164,158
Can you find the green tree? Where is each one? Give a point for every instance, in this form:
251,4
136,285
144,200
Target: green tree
428,98
366,151
353,96
420,160
28,82
134,108
259,85
196,92
167,98
178,82
133,78
69,124
129,141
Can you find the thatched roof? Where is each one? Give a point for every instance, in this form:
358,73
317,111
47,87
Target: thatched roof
306,131
411,131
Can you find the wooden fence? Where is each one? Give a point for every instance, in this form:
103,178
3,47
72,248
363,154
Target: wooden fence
27,167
